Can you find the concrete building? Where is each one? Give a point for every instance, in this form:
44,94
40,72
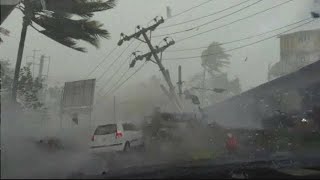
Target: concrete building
297,50
294,93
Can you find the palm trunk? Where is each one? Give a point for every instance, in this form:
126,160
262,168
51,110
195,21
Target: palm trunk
19,58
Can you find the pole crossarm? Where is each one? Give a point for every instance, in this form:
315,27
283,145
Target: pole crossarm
140,32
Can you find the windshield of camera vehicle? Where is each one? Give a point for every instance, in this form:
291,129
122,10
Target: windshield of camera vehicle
215,80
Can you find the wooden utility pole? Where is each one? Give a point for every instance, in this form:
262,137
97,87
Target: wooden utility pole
153,52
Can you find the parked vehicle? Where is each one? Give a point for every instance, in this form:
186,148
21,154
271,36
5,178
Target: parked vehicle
116,137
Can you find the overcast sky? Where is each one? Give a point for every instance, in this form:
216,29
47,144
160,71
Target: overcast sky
68,65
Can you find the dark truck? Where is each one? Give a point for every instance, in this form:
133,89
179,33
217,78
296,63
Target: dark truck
168,126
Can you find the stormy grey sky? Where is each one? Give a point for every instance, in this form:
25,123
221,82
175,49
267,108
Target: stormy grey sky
69,65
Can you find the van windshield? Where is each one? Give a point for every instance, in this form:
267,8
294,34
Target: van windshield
106,129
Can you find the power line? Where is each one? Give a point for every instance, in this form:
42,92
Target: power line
127,78
241,39
195,19
115,84
103,60
115,60
240,47
187,10
123,63
209,22
219,27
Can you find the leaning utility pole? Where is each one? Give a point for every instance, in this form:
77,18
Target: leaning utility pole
180,82
154,51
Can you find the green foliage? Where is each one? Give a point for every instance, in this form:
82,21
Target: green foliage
28,89
58,21
214,58
6,76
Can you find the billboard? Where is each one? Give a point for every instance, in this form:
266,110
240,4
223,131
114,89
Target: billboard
78,94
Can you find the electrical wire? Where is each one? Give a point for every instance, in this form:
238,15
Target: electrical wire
219,27
240,47
195,19
123,63
103,60
187,10
115,60
209,22
127,78
241,39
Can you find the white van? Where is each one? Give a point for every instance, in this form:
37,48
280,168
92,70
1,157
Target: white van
116,137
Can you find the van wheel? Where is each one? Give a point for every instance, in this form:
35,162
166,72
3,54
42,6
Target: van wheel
126,147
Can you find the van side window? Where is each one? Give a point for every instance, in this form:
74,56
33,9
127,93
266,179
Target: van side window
129,127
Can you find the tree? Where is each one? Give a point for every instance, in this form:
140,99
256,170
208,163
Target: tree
57,22
6,76
221,80
214,58
28,89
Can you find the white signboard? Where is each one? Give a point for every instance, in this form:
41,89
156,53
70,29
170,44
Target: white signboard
78,94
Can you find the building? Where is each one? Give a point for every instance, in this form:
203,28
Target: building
297,50
295,93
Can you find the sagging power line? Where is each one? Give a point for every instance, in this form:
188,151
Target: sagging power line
117,70
114,61
119,85
198,18
209,22
187,10
240,47
238,20
242,39
101,62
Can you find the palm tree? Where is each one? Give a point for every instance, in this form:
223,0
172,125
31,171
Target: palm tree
213,59
65,22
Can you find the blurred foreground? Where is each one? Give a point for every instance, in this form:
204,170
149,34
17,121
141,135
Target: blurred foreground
30,150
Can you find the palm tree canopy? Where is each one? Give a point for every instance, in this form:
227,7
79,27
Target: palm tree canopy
214,58
67,22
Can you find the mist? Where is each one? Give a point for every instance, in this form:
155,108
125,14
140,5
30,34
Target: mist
22,157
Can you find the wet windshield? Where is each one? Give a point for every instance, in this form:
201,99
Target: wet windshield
173,81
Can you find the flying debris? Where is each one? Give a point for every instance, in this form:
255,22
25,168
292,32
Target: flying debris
219,90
